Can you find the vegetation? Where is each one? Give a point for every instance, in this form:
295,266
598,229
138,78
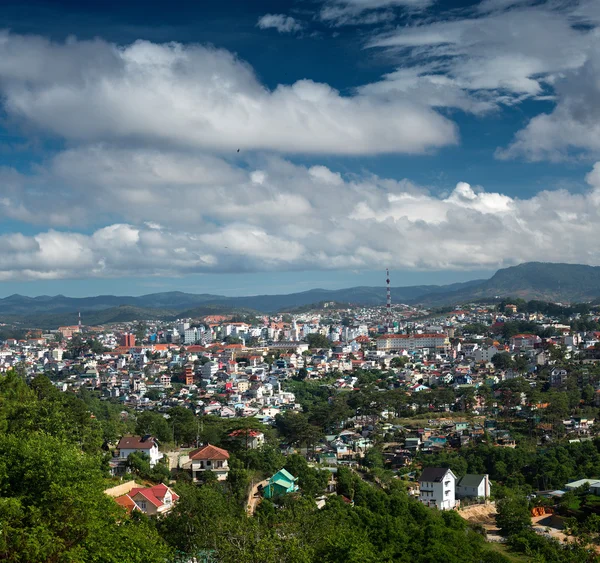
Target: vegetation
52,476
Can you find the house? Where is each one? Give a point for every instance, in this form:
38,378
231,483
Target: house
136,444
473,486
282,483
209,458
558,377
153,501
438,488
521,342
251,439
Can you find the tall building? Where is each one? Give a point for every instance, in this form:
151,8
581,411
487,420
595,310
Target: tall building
128,340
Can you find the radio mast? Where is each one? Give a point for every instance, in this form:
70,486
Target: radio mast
389,317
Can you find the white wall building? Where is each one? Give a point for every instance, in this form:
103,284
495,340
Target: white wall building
438,488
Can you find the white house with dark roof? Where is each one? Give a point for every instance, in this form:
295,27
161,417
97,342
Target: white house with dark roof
145,444
473,486
438,487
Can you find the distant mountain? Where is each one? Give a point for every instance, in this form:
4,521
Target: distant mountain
176,302
532,280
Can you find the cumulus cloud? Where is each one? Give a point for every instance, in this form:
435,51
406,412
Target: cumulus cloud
202,214
280,22
573,127
198,97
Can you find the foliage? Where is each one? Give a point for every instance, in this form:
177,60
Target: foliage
382,527
513,515
52,505
318,340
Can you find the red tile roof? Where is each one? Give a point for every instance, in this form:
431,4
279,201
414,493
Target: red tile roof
127,503
209,452
155,494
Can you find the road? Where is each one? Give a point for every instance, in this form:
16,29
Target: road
254,498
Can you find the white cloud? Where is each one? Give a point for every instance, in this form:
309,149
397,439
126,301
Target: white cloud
512,51
573,127
201,214
366,12
280,22
506,52
198,97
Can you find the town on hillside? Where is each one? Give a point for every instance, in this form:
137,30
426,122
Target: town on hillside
486,411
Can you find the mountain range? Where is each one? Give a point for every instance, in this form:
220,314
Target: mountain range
531,280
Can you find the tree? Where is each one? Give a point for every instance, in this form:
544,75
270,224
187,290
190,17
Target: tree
76,346
153,423
153,394
502,360
52,505
318,340
398,362
513,515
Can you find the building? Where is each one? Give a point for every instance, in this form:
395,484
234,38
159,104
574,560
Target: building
209,370
251,439
438,488
209,458
188,372
282,483
399,342
153,501
136,444
485,354
525,342
190,335
128,340
473,486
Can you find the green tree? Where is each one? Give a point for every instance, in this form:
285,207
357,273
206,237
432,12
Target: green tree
502,360
318,340
513,515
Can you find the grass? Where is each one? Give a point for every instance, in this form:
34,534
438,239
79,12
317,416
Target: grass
512,556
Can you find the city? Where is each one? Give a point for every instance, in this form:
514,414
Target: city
300,281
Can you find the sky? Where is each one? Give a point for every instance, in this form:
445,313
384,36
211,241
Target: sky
241,147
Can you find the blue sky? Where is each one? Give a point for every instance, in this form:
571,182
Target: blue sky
243,147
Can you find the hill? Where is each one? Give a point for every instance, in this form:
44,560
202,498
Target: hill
175,303
532,280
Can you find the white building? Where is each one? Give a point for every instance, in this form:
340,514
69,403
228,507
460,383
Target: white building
485,354
473,486
398,342
438,488
145,444
209,458
190,335
209,370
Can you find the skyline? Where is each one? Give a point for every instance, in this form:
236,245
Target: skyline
275,147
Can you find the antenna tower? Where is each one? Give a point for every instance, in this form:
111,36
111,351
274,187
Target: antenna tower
389,318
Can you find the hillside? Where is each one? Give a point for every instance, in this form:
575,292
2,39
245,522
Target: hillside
188,304
533,280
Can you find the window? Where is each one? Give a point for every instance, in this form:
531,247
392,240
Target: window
142,504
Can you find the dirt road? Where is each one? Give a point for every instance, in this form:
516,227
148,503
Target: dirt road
254,498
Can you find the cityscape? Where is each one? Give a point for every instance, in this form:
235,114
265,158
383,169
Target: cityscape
296,281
